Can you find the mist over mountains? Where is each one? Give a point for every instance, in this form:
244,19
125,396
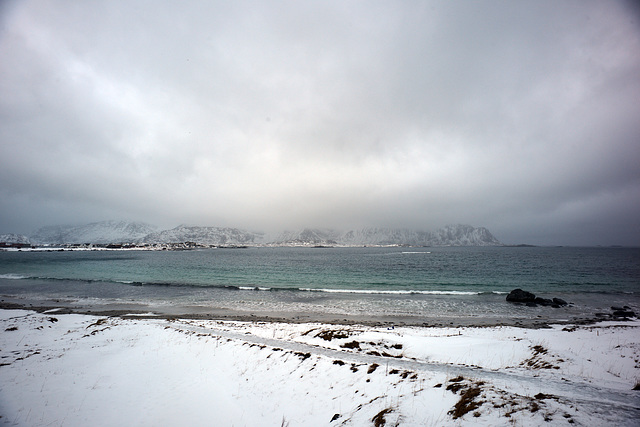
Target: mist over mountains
104,232
112,232
205,236
451,235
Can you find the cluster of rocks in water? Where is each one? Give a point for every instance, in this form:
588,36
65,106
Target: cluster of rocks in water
619,312
524,297
519,296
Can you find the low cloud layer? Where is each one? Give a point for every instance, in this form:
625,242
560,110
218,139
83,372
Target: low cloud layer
519,116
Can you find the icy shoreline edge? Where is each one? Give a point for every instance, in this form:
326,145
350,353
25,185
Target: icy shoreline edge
137,310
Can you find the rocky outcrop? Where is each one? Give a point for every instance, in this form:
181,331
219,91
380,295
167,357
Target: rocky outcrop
524,297
617,313
518,295
622,312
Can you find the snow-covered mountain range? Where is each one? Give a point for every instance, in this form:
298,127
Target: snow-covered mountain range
97,232
204,236
135,232
451,235
14,238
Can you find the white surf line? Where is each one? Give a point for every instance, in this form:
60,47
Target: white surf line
573,391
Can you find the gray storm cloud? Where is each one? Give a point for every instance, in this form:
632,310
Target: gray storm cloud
522,116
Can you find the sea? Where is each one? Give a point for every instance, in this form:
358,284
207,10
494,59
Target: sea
446,284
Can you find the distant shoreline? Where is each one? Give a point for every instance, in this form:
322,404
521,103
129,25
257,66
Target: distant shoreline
190,246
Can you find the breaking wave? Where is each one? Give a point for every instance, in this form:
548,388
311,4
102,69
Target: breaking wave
12,276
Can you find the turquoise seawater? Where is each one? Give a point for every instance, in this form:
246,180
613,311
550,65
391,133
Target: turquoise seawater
403,281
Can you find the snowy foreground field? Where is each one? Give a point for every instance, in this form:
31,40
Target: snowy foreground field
78,370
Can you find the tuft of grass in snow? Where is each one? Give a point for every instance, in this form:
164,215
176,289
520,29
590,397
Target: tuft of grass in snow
353,345
467,402
469,391
538,349
536,360
330,334
378,420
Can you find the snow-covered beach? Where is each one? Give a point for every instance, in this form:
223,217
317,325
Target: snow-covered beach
73,369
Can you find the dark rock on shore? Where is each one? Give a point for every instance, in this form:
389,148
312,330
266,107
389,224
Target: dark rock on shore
624,312
560,302
520,296
543,301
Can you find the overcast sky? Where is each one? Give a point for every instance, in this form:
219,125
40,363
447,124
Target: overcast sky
523,117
